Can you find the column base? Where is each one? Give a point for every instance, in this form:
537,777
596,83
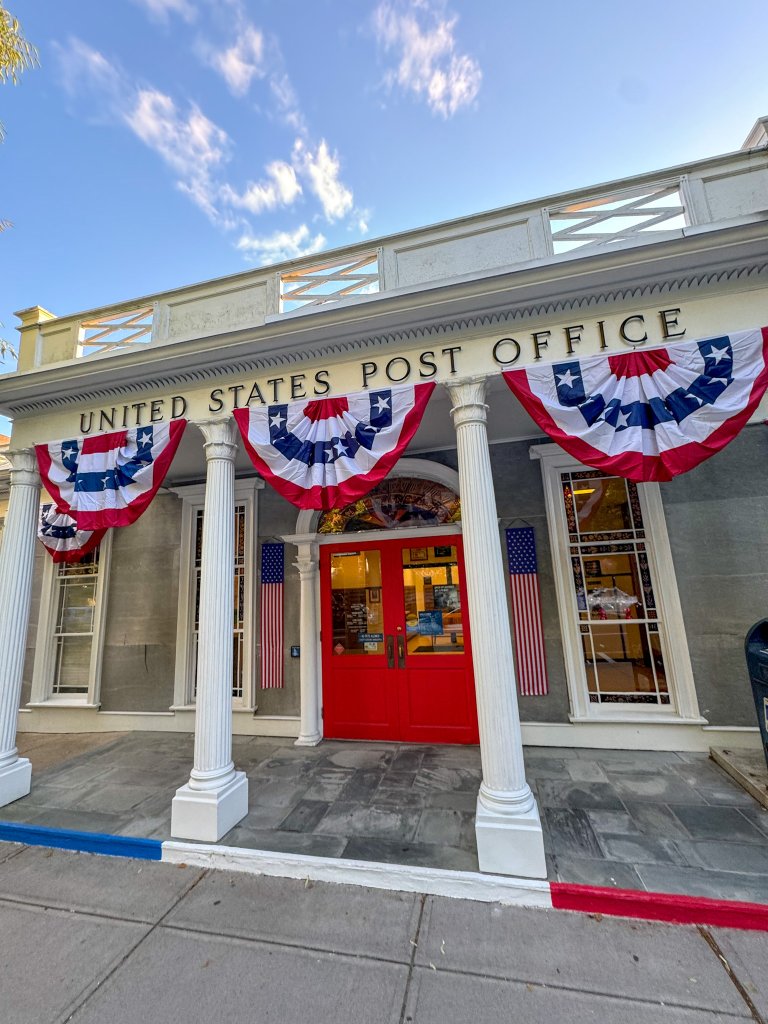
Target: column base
510,843
15,781
208,814
308,741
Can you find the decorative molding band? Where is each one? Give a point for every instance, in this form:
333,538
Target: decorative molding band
751,274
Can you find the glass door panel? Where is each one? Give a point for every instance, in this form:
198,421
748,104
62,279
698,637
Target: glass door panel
433,614
357,609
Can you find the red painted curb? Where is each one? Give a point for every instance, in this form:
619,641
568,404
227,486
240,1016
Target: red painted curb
659,906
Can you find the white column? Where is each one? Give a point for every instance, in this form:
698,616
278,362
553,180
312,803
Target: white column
311,728
216,796
507,823
16,566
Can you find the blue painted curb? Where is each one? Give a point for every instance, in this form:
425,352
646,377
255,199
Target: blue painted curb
85,842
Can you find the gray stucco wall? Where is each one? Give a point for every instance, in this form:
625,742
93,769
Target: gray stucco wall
717,517
277,517
142,602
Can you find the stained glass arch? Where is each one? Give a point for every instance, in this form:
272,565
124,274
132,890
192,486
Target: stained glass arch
396,503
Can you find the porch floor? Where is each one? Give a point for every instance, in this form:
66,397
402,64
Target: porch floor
664,822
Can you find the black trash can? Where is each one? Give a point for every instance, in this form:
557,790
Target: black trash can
756,649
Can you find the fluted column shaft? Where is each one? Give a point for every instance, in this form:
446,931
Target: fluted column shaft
504,786
307,564
16,567
213,765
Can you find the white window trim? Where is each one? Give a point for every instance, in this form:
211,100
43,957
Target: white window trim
193,499
45,646
684,704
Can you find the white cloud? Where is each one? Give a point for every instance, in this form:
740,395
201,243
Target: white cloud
423,39
281,189
322,168
280,246
193,146
81,67
243,62
162,9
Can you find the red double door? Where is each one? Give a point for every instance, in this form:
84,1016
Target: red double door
397,660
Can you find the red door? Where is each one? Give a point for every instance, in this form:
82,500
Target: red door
397,661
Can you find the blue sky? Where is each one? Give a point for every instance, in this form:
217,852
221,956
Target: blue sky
163,142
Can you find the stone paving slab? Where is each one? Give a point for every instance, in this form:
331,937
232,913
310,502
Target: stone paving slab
176,976
652,819
438,998
318,915
135,890
607,955
747,953
54,959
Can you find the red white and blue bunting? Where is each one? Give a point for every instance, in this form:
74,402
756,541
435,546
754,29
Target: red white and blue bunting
108,479
61,537
649,414
326,453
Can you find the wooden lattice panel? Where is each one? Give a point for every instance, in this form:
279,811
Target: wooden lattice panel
120,330
329,281
609,220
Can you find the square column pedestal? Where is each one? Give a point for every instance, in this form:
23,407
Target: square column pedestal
15,780
510,844
208,814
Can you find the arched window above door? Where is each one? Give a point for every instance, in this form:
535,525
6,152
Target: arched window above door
396,503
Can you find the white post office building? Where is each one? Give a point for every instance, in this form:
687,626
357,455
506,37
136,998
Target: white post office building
396,608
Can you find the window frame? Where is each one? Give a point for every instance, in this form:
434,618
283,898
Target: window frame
683,704
193,501
44,666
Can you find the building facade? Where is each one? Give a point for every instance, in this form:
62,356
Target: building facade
396,607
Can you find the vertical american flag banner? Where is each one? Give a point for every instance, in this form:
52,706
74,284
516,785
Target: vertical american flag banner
526,612
272,578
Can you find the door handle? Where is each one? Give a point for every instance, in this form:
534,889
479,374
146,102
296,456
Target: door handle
390,651
401,652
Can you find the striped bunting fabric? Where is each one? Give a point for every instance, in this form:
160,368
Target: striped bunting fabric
272,578
526,612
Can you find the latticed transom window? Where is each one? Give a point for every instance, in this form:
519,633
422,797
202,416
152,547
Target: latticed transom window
239,586
613,590
396,503
74,625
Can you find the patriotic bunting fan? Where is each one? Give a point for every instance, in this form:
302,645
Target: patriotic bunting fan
108,479
326,453
649,415
61,537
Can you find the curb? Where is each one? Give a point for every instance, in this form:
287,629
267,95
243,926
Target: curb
470,885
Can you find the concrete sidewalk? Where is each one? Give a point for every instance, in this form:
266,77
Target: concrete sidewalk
93,939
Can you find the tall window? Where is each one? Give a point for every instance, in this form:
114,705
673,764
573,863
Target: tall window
243,670
623,634
238,635
70,629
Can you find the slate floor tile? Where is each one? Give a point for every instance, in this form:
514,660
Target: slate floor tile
718,823
570,832
440,826
304,816
757,816
346,819
578,795
402,798
656,787
362,786
657,819
591,871
613,822
716,855
721,885
309,843
585,771
390,851
641,850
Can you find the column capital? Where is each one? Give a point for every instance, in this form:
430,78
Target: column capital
220,438
23,467
468,396
307,552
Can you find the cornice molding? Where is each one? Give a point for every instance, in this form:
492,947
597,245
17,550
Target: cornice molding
574,299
